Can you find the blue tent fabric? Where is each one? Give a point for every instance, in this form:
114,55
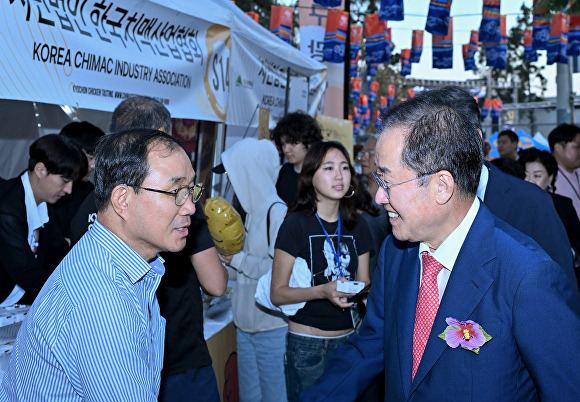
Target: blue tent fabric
526,141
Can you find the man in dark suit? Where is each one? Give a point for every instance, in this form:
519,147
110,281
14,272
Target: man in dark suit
517,202
462,304
32,246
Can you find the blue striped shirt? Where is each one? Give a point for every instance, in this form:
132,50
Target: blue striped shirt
94,332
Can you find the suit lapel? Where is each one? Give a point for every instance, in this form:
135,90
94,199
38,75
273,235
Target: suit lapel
467,285
408,291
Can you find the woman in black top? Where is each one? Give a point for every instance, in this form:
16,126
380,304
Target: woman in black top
322,227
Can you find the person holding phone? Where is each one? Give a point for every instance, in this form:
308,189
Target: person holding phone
322,223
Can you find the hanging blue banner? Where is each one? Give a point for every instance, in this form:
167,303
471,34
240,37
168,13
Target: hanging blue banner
376,41
392,10
416,45
335,36
438,17
530,54
496,55
442,47
468,58
328,3
541,32
405,62
574,36
489,29
558,42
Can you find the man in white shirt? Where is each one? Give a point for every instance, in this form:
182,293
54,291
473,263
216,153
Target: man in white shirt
31,247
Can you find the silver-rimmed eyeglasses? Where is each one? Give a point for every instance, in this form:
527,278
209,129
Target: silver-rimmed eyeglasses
387,189
365,154
181,194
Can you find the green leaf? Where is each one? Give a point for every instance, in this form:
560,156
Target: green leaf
488,337
476,351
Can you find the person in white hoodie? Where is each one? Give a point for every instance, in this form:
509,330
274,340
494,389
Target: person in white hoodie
252,167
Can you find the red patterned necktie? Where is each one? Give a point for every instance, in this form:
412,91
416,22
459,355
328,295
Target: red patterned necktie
427,305
36,234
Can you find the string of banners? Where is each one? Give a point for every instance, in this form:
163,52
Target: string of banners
558,34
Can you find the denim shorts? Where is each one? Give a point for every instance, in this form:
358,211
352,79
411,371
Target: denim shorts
305,360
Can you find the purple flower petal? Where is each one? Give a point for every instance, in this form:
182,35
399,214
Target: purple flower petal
478,338
453,337
473,323
452,321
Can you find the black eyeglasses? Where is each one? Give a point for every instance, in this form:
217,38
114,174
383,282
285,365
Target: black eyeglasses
387,189
180,193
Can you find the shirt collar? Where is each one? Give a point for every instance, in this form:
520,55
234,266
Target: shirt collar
123,256
483,179
36,215
447,252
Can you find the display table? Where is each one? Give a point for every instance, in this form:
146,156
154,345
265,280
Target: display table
10,320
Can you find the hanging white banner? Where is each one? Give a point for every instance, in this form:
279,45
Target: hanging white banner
95,54
259,78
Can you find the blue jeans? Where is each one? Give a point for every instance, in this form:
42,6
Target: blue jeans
306,358
193,385
261,365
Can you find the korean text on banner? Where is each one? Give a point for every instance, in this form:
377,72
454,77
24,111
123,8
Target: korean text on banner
87,55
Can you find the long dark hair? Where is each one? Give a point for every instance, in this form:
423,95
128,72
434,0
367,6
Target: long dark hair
306,198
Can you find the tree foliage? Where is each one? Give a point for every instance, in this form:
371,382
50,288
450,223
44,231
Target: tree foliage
556,6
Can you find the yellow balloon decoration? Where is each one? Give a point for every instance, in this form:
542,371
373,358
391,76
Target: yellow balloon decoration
225,226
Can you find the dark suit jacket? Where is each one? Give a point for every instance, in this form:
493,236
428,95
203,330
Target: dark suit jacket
569,217
503,281
529,209
18,265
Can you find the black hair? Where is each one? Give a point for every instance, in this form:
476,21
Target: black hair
59,156
509,166
83,134
364,199
141,111
306,198
511,135
439,137
564,133
459,100
122,158
297,127
544,157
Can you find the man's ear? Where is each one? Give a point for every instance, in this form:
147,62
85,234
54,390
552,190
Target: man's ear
40,170
558,147
445,187
121,197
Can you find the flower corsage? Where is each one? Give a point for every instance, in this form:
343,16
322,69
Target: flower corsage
467,334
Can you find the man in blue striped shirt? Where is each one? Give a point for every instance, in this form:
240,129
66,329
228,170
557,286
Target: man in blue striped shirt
94,332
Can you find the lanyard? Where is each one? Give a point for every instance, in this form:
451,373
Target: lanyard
334,251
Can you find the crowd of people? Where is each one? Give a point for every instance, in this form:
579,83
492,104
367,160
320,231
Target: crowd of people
105,236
